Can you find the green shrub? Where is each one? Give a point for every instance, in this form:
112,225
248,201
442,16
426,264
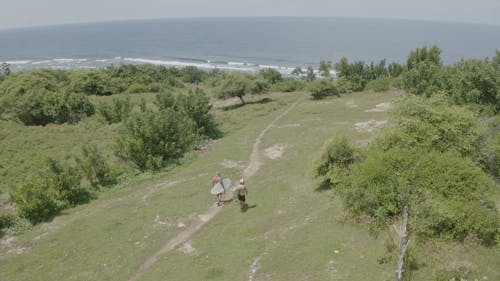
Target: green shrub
42,197
446,193
90,82
236,84
192,74
37,200
379,85
335,158
136,88
117,111
196,105
43,107
432,123
94,167
272,76
6,220
38,97
344,85
151,138
288,85
18,225
322,88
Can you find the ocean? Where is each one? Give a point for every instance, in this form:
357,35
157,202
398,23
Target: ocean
245,44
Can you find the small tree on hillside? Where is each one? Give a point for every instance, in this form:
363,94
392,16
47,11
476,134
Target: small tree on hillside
239,84
324,68
322,88
310,74
271,75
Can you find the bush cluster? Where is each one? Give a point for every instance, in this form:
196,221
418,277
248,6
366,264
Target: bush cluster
117,111
322,88
153,137
43,197
466,82
431,161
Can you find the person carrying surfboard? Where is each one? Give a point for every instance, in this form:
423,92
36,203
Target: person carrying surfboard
218,187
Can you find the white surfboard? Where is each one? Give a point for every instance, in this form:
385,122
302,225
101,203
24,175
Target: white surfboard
217,188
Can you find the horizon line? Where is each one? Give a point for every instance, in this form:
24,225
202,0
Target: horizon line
111,21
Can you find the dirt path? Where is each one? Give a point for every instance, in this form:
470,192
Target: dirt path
185,235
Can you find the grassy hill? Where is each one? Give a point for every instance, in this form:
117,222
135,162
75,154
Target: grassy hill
293,230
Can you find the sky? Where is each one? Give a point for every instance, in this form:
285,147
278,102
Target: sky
22,13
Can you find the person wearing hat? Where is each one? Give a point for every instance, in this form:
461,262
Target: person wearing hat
242,192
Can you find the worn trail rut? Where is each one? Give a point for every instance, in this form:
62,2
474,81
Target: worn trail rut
185,235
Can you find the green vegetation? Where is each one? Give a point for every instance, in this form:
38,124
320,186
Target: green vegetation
43,197
152,151
322,88
237,84
117,111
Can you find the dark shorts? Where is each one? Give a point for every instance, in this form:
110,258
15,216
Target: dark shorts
241,197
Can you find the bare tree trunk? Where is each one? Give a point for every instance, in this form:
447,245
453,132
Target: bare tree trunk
403,245
242,100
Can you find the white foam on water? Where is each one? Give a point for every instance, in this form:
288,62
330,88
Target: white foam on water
18,62
63,60
41,62
236,63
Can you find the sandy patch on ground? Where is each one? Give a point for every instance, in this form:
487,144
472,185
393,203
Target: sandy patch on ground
294,125
163,222
381,107
369,126
187,248
232,164
275,151
351,104
253,268
7,245
226,103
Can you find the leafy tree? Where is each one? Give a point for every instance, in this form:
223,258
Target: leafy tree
380,84
44,196
337,155
239,84
117,111
150,139
196,105
90,82
430,161
359,74
272,76
324,68
342,67
322,88
192,74
424,78
434,124
444,192
94,167
475,81
310,74
395,69
288,85
431,55
297,71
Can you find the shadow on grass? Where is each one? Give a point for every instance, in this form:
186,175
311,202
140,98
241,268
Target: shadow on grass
246,207
238,105
324,186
